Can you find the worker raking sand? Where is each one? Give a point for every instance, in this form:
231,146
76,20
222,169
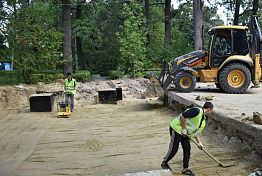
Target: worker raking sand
191,122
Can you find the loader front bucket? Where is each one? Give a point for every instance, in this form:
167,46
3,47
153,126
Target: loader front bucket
153,90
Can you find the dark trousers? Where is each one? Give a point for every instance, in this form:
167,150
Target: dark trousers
71,96
173,147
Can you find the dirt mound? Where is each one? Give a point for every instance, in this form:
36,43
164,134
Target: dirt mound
89,89
17,97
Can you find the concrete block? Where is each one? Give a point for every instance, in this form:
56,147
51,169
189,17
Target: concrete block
41,102
107,96
110,96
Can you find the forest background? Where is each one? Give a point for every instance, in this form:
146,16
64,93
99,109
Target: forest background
44,39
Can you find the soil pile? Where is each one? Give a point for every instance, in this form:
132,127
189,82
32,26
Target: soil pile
17,97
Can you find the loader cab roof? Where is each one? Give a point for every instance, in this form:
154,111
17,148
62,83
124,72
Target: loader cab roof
231,27
212,30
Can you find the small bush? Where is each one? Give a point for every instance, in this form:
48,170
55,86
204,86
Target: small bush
48,71
82,76
49,76
7,81
46,78
104,73
11,77
115,74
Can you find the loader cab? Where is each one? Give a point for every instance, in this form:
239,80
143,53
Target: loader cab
227,41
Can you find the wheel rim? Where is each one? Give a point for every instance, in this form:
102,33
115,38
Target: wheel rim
236,78
185,82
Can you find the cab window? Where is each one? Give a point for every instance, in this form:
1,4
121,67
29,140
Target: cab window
222,47
223,43
240,42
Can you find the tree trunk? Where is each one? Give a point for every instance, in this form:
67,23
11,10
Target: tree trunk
236,16
78,41
198,23
167,22
13,45
67,50
255,6
147,21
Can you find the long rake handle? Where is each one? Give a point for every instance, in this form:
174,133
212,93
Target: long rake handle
220,164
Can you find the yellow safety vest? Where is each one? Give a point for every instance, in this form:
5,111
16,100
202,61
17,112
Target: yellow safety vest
192,124
70,86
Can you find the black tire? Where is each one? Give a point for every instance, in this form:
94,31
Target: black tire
218,85
235,78
185,82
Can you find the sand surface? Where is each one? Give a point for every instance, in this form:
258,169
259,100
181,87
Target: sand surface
106,139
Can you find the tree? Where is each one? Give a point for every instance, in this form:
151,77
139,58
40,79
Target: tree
34,40
167,19
108,34
3,47
246,7
211,18
167,22
7,11
147,21
198,23
106,46
183,20
85,34
255,6
78,37
133,38
236,16
67,50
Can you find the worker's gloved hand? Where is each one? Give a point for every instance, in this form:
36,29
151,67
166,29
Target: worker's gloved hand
184,132
200,146
72,92
64,92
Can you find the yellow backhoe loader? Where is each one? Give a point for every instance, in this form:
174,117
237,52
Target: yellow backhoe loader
231,60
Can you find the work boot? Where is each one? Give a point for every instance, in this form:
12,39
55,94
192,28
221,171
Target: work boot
188,172
165,166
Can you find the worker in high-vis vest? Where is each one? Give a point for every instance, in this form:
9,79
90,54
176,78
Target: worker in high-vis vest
191,122
70,90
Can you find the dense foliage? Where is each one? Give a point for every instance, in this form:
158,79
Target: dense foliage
34,42
108,37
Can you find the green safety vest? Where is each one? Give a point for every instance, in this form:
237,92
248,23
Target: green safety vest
70,86
192,124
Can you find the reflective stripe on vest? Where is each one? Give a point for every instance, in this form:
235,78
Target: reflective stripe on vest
188,128
69,86
192,124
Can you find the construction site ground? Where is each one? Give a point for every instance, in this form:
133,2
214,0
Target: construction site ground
131,136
